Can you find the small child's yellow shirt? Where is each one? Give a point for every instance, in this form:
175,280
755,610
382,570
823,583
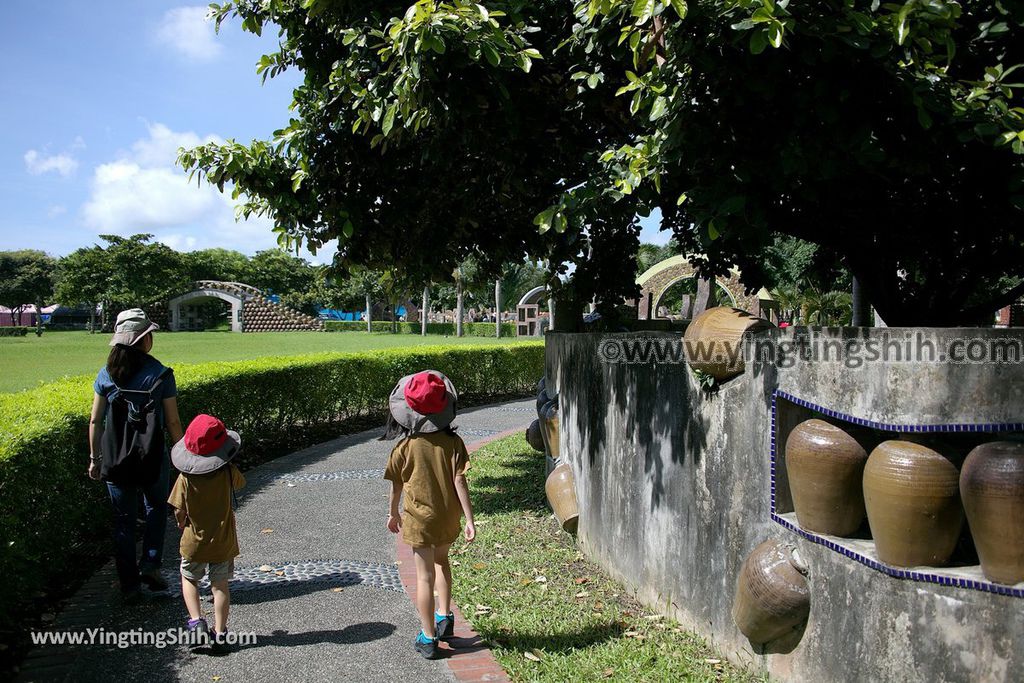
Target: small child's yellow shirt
426,465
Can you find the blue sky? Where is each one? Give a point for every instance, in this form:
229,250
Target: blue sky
99,96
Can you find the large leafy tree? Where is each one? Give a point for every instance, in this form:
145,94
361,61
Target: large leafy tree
427,133
278,272
26,278
889,134
217,264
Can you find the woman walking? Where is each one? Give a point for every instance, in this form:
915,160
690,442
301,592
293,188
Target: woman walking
135,400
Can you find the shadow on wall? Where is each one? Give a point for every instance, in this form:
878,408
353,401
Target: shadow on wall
664,393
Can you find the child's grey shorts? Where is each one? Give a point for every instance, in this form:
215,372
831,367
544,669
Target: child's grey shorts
219,571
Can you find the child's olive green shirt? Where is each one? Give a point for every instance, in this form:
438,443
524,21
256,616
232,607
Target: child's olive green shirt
426,465
209,534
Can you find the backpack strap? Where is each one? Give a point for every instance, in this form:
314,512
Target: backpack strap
156,384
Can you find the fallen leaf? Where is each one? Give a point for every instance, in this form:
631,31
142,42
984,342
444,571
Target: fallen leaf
456,563
291,485
279,573
337,590
482,609
582,594
266,568
525,582
266,531
582,580
214,678
534,655
598,606
608,673
654,617
480,565
712,661
631,634
541,579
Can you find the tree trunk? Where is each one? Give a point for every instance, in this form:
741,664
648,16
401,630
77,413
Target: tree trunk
425,311
497,308
369,314
861,305
394,316
39,318
458,307
92,318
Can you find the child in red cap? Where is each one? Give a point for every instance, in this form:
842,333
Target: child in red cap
429,466
202,498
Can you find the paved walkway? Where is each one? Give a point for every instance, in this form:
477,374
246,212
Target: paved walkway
318,581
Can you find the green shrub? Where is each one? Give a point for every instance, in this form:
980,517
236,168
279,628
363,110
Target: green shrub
14,331
447,329
51,513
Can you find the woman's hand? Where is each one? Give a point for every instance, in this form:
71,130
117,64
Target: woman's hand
470,531
394,523
94,470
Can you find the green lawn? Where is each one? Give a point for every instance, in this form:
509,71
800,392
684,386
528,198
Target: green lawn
548,612
27,361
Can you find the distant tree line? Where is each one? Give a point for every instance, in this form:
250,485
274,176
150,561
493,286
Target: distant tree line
123,272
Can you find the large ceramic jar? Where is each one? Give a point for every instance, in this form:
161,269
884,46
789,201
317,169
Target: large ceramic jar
992,486
772,596
549,429
560,488
912,495
825,465
534,436
713,340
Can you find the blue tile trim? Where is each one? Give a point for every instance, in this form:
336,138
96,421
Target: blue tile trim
894,572
981,428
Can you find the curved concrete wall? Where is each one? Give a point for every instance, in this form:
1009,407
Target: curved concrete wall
674,490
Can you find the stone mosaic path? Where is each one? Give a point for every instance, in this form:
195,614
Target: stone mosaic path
342,615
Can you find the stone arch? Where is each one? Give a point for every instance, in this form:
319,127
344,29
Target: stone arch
533,296
205,292
657,279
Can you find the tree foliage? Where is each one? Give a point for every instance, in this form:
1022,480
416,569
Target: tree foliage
889,134
425,134
26,278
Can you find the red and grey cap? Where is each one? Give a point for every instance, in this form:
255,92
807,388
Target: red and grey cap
424,402
207,446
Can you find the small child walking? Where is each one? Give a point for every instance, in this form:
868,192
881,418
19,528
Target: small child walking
202,498
429,466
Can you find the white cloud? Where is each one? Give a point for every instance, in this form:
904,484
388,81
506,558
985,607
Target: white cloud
143,191
187,31
38,163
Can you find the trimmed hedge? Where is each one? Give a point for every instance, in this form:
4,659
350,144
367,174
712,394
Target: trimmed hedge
447,329
51,513
14,331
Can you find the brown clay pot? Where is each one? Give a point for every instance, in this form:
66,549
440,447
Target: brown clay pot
992,486
560,488
772,596
534,436
549,429
912,496
712,340
825,465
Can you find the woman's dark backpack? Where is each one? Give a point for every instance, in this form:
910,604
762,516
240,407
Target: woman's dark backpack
133,438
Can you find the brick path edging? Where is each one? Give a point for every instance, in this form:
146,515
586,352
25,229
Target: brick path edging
467,657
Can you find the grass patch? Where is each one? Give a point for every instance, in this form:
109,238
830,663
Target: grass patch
25,362
548,613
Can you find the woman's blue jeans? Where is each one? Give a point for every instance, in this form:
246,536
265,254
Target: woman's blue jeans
125,502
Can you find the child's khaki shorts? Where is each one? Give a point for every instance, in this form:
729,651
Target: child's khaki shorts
219,571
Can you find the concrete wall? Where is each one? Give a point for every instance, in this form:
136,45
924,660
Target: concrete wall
674,492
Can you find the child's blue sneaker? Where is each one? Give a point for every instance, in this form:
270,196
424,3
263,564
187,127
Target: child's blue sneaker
444,624
426,646
198,633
